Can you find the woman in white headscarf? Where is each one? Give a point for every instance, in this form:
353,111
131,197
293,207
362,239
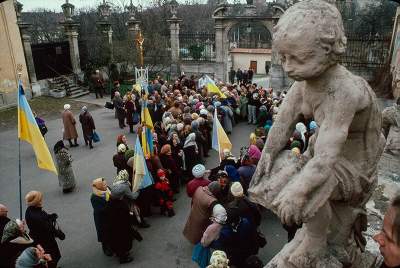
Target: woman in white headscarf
191,152
300,127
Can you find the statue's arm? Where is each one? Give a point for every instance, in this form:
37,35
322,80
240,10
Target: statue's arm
283,127
331,138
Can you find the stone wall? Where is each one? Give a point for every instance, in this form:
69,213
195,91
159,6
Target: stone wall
11,55
213,69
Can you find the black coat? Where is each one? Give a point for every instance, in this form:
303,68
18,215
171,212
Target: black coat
99,205
118,226
42,231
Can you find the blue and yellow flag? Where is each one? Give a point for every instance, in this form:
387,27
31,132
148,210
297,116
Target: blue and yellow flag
147,134
28,131
142,177
211,86
220,140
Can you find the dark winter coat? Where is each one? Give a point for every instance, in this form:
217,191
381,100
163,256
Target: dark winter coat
99,205
119,107
118,226
42,231
87,123
120,162
130,108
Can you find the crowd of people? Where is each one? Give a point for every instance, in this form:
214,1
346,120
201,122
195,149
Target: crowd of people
222,218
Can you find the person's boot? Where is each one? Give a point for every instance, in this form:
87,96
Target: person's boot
106,250
125,259
76,143
171,212
144,224
90,145
70,143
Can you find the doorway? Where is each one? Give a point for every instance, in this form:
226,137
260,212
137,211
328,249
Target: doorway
253,66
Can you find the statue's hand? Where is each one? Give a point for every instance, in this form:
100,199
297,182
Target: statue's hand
289,205
263,168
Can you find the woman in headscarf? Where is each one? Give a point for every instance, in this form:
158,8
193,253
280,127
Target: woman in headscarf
99,199
131,110
254,154
41,226
262,116
69,122
176,148
169,164
66,177
300,127
119,158
191,152
88,127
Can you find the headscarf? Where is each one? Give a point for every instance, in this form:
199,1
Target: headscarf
84,109
121,148
179,126
122,177
166,149
190,140
296,151
233,174
219,214
300,127
198,171
129,153
58,146
215,188
295,144
254,152
313,125
34,199
97,184
195,125
67,106
28,258
12,230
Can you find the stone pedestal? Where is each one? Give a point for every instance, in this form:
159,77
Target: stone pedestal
133,31
174,35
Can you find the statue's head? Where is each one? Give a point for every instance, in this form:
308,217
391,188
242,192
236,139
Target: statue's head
309,38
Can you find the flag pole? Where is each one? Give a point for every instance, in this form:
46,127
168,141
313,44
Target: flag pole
19,68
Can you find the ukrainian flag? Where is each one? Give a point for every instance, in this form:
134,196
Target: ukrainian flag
211,86
220,140
147,135
142,176
28,131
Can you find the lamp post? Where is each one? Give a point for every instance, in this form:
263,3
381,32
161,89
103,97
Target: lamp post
133,30
71,31
104,25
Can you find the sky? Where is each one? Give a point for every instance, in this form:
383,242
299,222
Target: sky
55,5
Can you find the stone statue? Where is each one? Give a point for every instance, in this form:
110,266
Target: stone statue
328,186
391,128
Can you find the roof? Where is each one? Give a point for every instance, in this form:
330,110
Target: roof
252,50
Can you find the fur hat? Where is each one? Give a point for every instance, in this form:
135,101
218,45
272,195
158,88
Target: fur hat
34,199
198,170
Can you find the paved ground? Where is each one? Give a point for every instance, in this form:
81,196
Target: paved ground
163,245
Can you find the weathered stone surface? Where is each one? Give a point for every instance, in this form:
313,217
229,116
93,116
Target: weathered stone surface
327,188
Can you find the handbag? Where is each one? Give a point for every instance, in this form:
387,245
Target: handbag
43,129
109,105
95,137
135,118
201,255
57,231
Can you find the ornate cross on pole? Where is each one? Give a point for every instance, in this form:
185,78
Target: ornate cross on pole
139,43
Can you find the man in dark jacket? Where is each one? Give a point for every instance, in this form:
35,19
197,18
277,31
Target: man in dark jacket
232,74
88,126
3,218
119,109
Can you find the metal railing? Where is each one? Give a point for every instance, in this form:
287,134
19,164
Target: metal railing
197,46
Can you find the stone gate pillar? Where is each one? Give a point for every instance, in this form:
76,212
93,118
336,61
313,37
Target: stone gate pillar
26,42
133,31
104,26
174,22
70,28
219,41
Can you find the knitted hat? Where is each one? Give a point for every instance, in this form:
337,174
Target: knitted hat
237,189
198,170
28,258
121,148
67,106
218,260
34,198
160,173
296,151
129,153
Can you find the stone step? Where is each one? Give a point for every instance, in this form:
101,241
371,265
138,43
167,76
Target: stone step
74,89
79,94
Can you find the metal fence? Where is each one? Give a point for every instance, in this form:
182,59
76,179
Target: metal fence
197,46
